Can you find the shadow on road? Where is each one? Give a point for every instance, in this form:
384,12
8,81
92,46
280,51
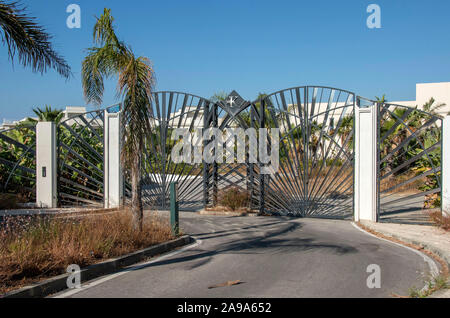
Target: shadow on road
283,240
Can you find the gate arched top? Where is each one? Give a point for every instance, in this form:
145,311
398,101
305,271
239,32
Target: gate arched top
322,99
310,86
181,93
176,109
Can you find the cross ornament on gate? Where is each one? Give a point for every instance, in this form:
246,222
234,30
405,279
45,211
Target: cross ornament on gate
234,103
232,100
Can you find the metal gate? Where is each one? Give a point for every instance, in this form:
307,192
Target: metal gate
409,163
81,159
315,177
171,110
316,172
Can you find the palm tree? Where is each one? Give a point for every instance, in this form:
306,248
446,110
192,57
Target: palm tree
24,37
432,108
135,84
49,114
219,97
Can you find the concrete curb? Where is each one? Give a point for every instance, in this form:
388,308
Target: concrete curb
445,255
59,283
441,253
225,213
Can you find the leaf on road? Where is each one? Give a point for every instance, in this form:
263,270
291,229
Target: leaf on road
229,283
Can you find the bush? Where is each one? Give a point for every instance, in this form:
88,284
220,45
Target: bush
234,198
8,201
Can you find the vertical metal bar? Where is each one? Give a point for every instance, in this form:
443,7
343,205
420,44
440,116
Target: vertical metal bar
205,165
306,153
163,150
215,164
174,209
261,176
58,167
378,175
251,168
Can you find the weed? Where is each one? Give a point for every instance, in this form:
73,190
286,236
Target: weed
33,248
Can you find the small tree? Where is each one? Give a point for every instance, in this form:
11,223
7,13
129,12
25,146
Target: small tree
135,84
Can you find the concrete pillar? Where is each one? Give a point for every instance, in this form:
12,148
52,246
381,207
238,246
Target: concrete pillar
46,165
365,163
446,166
113,177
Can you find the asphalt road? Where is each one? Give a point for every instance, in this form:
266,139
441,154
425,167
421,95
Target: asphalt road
272,257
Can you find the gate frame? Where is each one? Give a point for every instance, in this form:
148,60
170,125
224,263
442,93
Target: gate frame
212,108
443,142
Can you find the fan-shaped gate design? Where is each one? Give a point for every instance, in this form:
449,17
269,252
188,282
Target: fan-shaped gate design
315,176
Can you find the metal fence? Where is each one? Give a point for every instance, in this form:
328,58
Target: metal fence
81,159
409,163
18,161
316,173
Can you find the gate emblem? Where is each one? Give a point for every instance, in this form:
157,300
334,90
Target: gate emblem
234,103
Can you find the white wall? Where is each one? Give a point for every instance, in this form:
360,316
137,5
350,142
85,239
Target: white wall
424,91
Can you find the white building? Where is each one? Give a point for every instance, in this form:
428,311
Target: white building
424,91
69,112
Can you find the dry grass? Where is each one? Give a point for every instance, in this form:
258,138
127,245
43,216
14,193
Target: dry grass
410,188
440,220
32,249
331,180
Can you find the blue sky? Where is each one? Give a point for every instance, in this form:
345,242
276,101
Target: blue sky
206,46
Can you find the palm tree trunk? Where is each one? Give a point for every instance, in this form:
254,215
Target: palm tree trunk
136,193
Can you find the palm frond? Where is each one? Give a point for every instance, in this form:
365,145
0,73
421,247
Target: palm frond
29,41
430,107
48,114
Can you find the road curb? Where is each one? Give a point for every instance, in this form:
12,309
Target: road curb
414,245
445,255
59,283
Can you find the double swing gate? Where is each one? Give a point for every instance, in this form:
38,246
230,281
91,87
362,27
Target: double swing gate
314,177
315,174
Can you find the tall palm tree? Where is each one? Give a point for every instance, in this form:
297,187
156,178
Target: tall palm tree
135,84
24,37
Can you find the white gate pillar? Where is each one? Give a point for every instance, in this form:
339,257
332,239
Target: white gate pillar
365,163
113,178
446,166
46,170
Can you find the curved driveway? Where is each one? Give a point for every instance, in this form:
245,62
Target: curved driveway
272,257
